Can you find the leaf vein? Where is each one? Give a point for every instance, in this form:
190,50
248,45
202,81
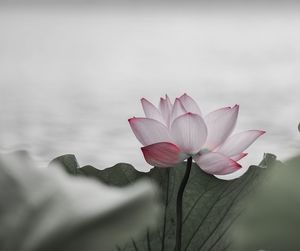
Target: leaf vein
227,210
204,218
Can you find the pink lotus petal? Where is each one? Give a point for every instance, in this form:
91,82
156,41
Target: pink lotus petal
239,156
163,154
190,104
165,109
237,143
216,163
189,132
151,111
220,124
149,131
177,110
169,102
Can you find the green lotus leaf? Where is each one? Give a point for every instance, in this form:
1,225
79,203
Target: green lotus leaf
271,221
210,205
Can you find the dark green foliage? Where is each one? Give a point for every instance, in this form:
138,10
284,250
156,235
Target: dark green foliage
210,205
271,221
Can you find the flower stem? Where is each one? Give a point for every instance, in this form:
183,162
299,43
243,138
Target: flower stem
179,204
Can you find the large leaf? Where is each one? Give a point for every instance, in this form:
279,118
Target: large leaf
210,205
272,218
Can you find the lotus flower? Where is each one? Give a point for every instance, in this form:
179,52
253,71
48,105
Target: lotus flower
172,133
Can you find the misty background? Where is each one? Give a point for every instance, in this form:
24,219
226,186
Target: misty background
71,74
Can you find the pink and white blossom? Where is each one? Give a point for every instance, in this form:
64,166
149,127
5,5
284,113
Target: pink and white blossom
173,132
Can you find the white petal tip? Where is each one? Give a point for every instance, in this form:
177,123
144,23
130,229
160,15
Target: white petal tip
258,132
244,155
236,106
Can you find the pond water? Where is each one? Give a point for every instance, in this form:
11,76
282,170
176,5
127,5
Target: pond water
70,78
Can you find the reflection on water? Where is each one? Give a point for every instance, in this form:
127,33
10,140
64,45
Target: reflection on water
71,78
